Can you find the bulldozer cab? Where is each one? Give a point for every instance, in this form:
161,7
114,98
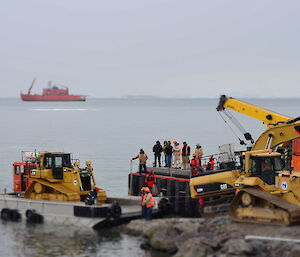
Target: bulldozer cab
266,167
57,162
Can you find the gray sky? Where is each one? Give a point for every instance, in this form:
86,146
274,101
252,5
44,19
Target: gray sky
155,47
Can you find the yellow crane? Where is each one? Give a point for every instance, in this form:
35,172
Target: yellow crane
265,191
269,118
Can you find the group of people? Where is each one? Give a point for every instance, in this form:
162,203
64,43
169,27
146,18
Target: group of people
174,155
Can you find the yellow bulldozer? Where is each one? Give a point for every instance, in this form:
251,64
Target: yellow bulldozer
266,190
56,178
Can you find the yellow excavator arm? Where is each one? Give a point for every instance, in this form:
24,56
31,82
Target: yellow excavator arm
274,136
268,117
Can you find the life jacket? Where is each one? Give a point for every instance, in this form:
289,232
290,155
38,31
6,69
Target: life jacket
195,164
150,179
211,163
151,202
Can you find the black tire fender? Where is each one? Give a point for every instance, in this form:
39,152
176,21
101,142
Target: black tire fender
37,218
115,210
33,217
29,213
5,213
164,206
14,215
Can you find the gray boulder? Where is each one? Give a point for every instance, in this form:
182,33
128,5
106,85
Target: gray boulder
237,247
295,252
193,248
164,240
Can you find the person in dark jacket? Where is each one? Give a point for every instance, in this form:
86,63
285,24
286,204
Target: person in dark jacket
186,151
169,152
165,156
157,150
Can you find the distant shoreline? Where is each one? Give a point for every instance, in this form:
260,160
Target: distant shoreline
168,98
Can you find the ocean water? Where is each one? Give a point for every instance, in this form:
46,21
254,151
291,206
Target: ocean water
108,132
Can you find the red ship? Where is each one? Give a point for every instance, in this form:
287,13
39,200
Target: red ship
52,93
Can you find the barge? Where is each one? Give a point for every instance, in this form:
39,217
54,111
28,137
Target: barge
51,187
173,186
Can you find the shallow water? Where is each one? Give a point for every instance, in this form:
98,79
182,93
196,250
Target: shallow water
109,133
48,240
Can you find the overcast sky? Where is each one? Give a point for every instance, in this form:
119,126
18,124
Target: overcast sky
155,47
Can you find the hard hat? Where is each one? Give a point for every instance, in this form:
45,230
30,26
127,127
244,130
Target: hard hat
194,154
174,141
146,189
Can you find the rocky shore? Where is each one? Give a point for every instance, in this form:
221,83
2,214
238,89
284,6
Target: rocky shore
214,237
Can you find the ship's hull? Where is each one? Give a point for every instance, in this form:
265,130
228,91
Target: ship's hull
29,97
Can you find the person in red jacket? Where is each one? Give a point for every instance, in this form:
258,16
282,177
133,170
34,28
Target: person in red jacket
150,179
195,165
211,163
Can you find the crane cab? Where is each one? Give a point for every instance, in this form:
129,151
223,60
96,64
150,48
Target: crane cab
266,166
261,168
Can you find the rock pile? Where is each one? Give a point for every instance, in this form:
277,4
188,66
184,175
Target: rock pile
213,237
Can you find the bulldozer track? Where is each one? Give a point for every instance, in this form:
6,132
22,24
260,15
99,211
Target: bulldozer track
57,188
293,210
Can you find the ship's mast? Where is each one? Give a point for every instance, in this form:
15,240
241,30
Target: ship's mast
29,90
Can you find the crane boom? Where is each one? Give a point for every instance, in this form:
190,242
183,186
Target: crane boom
269,118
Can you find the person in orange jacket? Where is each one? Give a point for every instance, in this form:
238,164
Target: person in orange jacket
148,203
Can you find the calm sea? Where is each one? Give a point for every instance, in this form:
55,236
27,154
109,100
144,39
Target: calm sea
108,133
